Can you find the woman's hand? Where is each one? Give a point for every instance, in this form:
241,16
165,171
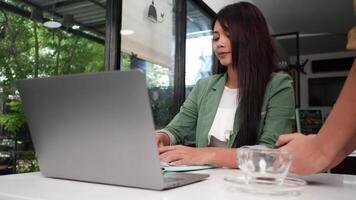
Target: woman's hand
183,155
308,157
162,139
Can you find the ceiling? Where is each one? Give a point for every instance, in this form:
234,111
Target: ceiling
89,14
322,24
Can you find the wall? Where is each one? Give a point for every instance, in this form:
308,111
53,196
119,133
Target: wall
151,41
217,5
304,78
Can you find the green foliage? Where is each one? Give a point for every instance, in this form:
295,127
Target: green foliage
27,162
28,50
14,121
58,52
161,102
158,76
159,81
14,51
125,62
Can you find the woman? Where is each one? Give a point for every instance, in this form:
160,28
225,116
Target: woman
247,104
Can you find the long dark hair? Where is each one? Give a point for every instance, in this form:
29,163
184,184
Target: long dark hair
254,60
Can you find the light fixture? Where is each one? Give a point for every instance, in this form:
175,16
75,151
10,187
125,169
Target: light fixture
52,24
68,20
127,32
76,27
152,14
36,15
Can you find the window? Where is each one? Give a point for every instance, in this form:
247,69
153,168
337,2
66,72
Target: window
147,40
28,49
199,52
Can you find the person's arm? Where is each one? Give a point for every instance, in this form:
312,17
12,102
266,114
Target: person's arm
183,155
349,148
336,138
278,120
181,129
340,126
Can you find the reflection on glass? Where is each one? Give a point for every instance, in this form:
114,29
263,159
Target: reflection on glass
149,48
199,53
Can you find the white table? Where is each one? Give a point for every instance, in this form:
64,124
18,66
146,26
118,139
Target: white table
33,186
353,154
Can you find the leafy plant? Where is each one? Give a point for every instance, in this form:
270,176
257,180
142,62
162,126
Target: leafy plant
14,120
29,50
27,162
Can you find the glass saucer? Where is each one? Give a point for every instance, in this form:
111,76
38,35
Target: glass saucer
290,186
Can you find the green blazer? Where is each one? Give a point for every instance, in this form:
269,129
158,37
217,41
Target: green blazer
192,124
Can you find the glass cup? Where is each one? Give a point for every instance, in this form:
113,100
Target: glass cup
262,165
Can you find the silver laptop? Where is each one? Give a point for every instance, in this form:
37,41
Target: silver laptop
97,128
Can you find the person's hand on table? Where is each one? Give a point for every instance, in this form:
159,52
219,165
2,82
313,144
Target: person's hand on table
306,152
183,155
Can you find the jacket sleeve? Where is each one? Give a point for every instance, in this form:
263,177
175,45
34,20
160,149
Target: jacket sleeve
280,110
182,128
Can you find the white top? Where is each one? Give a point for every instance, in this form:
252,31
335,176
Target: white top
223,123
33,186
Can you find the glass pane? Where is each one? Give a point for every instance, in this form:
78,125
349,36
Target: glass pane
30,49
199,53
147,44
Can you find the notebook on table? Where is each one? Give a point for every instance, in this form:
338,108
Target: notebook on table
97,128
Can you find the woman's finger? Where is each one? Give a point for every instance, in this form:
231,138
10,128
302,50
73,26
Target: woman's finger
170,157
285,139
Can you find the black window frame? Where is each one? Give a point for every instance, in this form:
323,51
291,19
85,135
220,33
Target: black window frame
113,43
